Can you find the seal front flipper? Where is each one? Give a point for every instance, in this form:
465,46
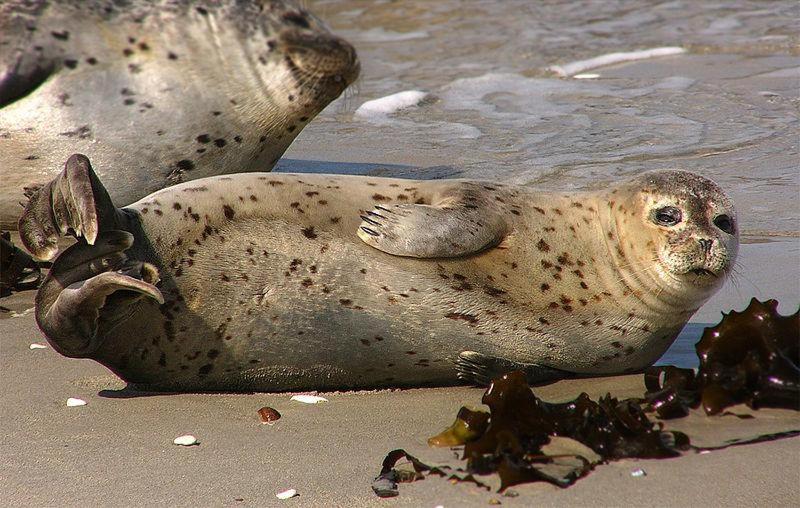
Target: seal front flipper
73,202
458,223
70,302
479,369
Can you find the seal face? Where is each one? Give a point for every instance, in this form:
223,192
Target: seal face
158,92
287,282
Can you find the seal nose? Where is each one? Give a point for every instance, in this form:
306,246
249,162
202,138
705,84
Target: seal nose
323,55
705,244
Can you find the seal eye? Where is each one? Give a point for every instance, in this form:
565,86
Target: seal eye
724,223
667,216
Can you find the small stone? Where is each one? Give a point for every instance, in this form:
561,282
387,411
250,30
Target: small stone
186,440
308,399
268,415
75,402
286,494
36,345
638,473
494,501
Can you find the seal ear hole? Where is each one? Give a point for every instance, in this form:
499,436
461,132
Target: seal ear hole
667,216
297,19
725,223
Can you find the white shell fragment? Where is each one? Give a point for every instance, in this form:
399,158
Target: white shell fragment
587,75
36,345
286,494
187,440
638,473
75,402
308,399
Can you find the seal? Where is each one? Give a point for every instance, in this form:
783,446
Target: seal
158,92
305,281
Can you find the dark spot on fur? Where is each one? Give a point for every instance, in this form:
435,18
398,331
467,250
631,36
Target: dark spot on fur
380,197
176,206
220,142
542,246
544,287
462,316
185,165
309,232
346,302
228,211
162,360
544,321
307,283
205,370
61,36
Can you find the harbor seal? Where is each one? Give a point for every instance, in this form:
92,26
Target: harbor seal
158,92
305,281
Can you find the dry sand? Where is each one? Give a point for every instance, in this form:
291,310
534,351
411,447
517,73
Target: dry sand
118,451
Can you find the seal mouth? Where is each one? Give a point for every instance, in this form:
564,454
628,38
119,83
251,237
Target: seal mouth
703,272
321,57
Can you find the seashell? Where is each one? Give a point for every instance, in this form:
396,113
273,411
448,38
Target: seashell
36,345
308,399
286,494
185,440
269,415
75,402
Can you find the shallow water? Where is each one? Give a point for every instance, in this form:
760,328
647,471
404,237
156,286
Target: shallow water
727,109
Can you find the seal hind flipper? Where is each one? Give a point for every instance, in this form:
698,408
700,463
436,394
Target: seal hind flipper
458,224
73,202
83,277
480,369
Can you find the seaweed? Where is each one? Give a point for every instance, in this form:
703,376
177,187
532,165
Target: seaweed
525,439
750,357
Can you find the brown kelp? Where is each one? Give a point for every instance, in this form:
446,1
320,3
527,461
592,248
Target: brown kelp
749,357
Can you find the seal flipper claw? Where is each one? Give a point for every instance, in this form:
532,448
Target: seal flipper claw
70,302
452,227
479,369
75,202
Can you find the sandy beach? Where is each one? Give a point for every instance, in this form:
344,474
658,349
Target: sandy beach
725,108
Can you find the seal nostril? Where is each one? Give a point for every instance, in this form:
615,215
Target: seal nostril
705,243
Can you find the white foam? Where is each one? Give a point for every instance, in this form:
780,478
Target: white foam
379,34
579,66
390,104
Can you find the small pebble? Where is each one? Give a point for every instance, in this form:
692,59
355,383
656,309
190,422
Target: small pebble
268,415
286,494
187,440
638,473
703,452
74,402
308,399
494,501
36,345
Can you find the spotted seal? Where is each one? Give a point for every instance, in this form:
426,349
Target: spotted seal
158,92
300,281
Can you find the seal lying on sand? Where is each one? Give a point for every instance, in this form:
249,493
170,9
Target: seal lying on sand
261,282
158,92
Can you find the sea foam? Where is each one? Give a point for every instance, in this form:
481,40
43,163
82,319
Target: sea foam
579,66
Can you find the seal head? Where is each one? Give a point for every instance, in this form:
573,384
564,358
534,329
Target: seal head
676,228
